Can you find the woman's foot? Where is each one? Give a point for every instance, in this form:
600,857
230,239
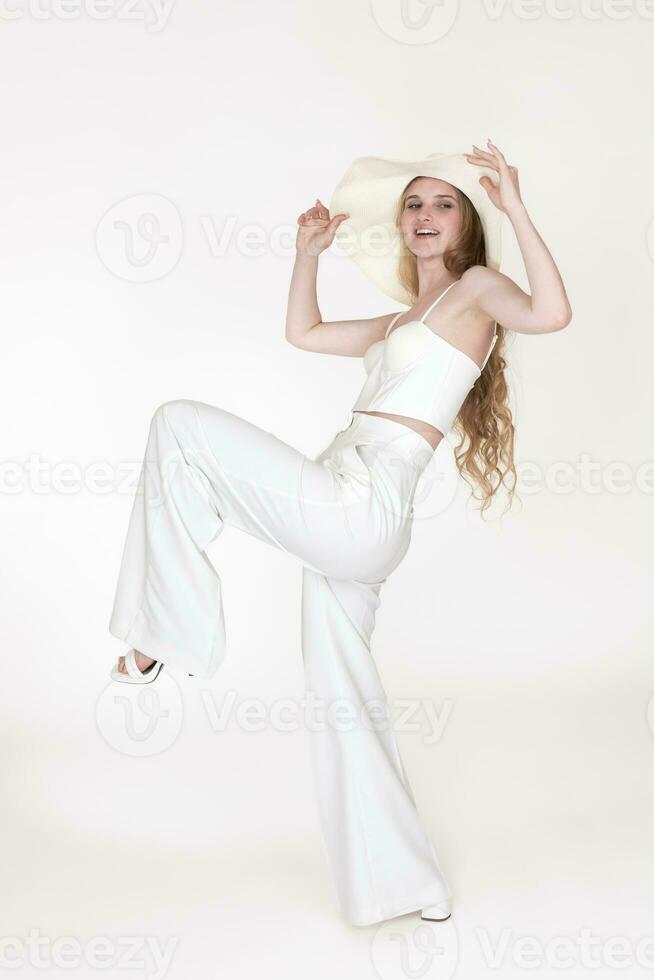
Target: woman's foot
142,662
136,668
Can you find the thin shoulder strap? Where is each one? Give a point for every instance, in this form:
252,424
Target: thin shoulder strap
392,322
427,312
490,349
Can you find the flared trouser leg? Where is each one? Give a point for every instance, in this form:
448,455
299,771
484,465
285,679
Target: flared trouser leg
168,598
381,861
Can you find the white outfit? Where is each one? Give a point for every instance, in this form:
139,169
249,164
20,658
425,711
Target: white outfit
416,372
347,515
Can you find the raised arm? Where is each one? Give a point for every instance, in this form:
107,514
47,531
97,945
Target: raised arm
547,308
304,325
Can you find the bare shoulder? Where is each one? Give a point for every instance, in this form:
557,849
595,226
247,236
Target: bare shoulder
487,291
479,278
475,282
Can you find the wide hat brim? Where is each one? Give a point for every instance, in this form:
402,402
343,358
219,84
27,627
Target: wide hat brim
369,192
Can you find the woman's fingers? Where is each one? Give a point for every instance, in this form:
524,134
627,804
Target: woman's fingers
497,155
481,157
496,150
317,213
502,164
491,164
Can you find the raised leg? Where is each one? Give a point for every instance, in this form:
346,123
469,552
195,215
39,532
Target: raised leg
203,468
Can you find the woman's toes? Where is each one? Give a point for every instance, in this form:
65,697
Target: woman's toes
143,662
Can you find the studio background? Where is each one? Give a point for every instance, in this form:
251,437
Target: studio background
529,635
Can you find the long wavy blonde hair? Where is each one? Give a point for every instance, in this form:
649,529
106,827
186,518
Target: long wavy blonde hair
484,419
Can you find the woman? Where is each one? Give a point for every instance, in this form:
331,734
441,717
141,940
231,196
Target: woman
348,513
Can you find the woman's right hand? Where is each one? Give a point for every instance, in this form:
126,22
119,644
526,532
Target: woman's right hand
317,229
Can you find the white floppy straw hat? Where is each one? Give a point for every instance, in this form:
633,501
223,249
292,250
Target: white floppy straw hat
369,192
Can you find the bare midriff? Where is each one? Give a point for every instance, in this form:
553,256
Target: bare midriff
428,432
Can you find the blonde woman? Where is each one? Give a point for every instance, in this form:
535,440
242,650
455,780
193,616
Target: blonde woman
348,513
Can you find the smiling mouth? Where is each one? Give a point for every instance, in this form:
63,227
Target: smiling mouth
426,233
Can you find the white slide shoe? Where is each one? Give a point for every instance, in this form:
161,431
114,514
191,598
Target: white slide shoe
132,674
437,913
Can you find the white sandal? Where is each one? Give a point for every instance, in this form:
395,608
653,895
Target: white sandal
438,912
133,675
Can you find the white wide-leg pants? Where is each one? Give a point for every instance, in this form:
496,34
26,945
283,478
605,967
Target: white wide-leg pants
347,515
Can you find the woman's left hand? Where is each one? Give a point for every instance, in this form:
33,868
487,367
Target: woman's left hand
506,194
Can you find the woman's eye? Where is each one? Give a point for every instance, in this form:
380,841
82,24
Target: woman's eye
443,205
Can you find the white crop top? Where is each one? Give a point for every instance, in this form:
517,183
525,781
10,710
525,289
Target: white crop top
417,373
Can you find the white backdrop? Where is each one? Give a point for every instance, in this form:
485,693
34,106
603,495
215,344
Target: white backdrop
529,637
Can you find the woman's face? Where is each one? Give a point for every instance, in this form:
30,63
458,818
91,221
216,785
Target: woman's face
430,205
